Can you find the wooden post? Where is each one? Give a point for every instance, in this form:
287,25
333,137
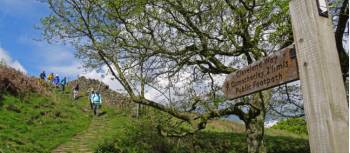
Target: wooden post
322,85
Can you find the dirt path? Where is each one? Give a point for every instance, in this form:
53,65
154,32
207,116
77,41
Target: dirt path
84,142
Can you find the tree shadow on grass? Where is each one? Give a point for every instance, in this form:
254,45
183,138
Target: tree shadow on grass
143,139
102,113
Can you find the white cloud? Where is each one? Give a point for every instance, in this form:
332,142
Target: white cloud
155,95
72,70
59,59
11,62
75,70
49,54
57,54
54,58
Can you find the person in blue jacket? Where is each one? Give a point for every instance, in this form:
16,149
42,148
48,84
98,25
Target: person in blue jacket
96,99
63,83
56,80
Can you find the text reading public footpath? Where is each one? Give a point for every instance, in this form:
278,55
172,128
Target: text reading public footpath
273,70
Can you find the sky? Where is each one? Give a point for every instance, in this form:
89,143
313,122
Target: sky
21,48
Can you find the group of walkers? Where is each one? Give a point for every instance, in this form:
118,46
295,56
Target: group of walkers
55,80
95,97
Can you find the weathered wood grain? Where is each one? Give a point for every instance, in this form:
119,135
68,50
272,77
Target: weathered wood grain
323,89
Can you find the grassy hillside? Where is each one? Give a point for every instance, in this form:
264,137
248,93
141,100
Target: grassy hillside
131,135
38,124
41,124
52,122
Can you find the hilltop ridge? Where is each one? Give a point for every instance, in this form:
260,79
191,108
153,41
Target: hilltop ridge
110,96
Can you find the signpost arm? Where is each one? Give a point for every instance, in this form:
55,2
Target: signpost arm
323,89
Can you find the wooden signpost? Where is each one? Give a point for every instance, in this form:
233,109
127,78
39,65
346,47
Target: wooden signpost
271,71
325,102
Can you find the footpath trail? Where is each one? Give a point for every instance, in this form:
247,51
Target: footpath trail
110,122
85,142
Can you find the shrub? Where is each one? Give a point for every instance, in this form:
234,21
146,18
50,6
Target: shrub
107,147
294,125
17,83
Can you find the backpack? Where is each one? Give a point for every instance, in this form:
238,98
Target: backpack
96,98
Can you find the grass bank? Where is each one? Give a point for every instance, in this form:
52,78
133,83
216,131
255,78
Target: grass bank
36,123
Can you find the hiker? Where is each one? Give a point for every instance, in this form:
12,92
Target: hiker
56,81
63,83
42,75
91,92
96,101
76,91
50,77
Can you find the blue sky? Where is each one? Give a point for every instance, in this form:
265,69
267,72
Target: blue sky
20,48
19,39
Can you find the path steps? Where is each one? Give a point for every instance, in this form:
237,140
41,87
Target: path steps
84,142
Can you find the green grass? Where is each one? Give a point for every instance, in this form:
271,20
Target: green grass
140,136
39,124
42,124
102,128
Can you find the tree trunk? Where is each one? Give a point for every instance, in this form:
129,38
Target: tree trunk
255,134
339,33
254,122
